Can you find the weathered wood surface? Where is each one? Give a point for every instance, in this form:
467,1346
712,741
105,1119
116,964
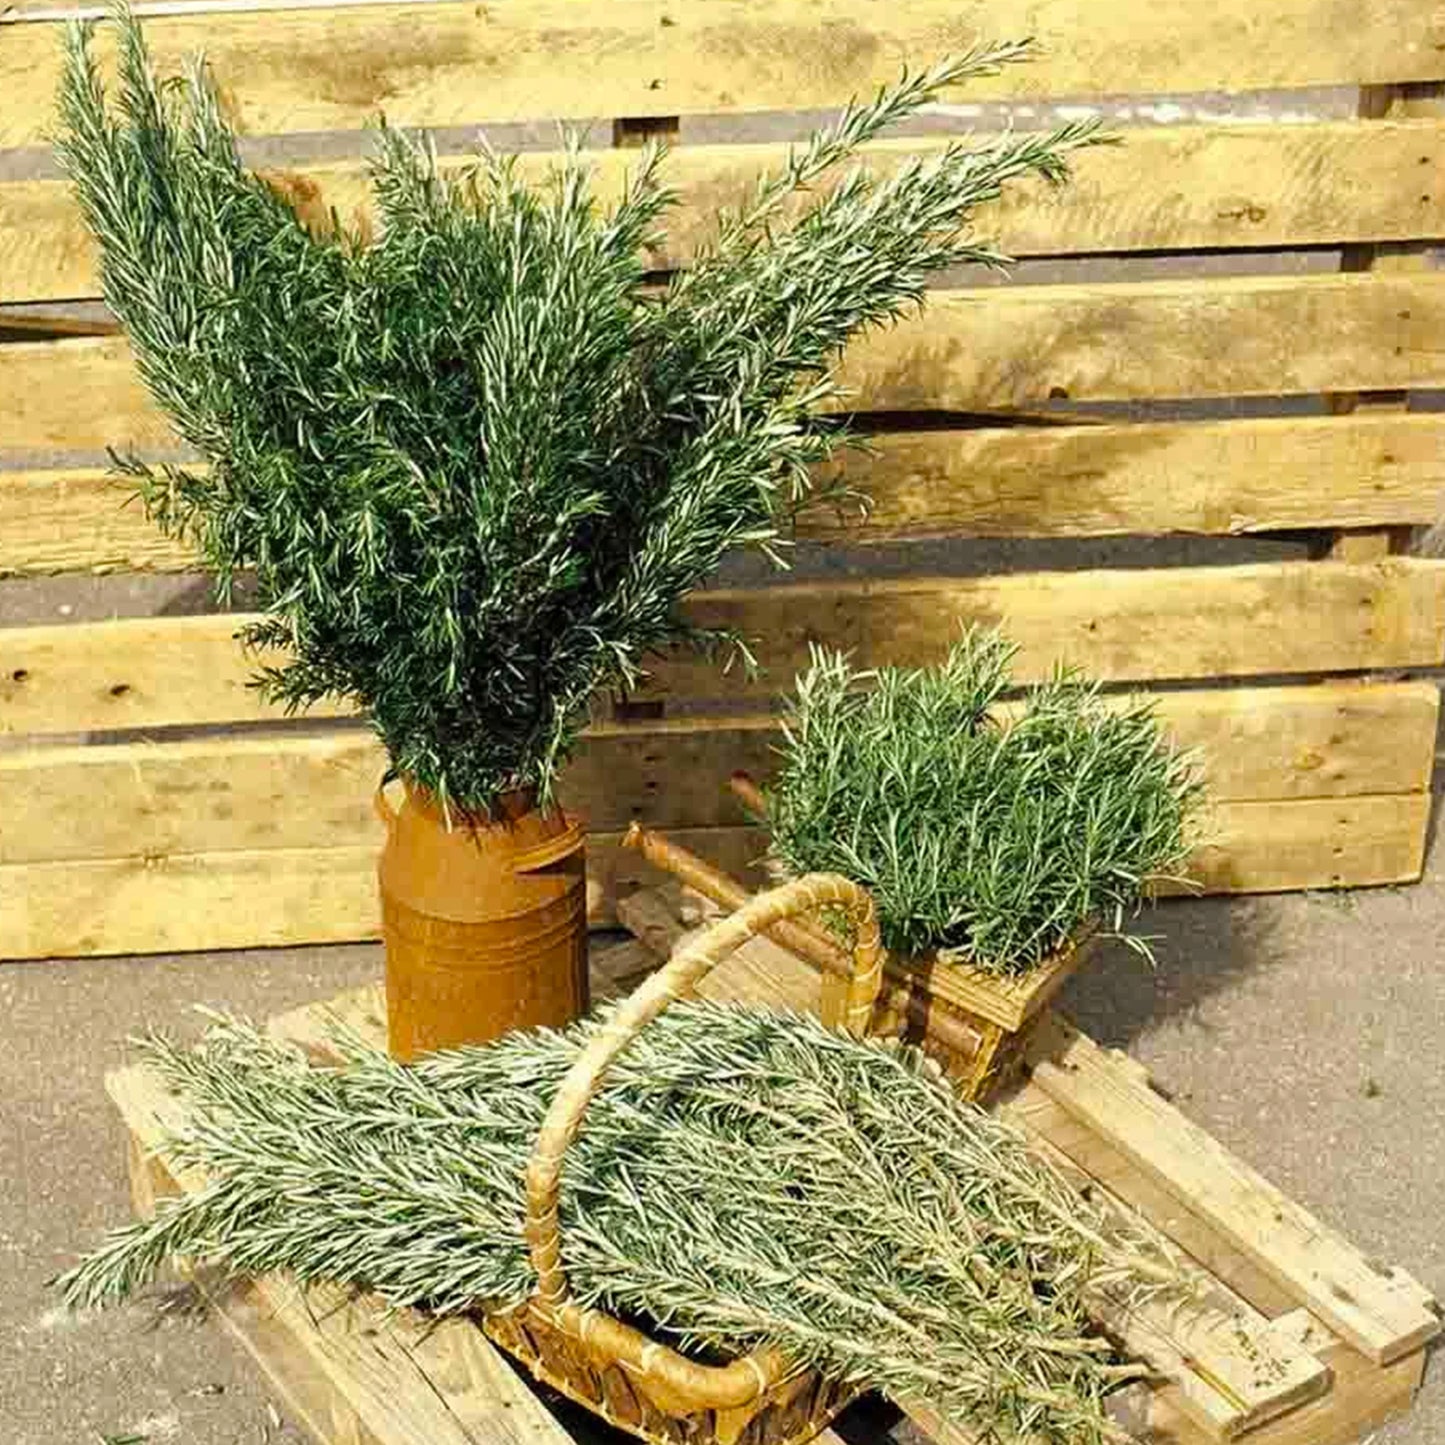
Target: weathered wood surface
1382,1312
1163,188
1123,626
1222,478
262,897
973,349
258,791
450,64
1119,625
269,897
1153,478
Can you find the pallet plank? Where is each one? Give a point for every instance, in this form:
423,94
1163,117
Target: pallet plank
1116,625
1382,1312
1209,185
1223,478
272,897
298,790
263,898
991,348
1119,625
973,349
450,64
1229,478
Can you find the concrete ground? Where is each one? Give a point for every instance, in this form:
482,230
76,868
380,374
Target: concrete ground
1303,1031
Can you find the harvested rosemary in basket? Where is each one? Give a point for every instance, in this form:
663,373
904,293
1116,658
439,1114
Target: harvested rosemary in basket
992,843
743,1178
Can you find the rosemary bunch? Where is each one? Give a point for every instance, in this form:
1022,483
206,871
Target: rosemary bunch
475,464
743,1178
990,843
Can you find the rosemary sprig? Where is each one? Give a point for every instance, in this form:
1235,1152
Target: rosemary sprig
989,843
743,1178
475,464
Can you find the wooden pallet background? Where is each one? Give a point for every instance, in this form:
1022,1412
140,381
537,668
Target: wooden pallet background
1295,1337
1227,331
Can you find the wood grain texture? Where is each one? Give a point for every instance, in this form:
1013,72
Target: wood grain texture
1165,187
1000,348
1119,625
452,64
982,349
270,897
1380,1311
1154,478
249,792
80,519
1210,478
262,898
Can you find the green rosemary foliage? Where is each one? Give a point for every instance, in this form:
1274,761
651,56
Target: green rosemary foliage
476,464
992,844
743,1178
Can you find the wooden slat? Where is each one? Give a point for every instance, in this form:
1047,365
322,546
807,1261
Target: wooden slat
261,898
989,348
1118,625
450,64
81,519
1121,625
1382,1312
1210,478
1230,477
275,896
1163,188
1331,740
985,348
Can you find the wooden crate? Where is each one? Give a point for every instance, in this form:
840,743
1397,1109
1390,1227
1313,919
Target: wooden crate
235,838
1298,1338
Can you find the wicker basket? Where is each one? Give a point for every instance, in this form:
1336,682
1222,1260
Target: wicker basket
631,1380
976,1024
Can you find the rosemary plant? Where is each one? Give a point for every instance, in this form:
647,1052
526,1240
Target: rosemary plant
743,1178
475,464
988,842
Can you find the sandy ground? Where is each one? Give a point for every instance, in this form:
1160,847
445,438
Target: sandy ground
1302,1030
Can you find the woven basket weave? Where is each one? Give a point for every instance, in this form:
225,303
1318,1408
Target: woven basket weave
631,1380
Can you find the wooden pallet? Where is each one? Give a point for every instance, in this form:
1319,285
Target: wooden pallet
1298,1339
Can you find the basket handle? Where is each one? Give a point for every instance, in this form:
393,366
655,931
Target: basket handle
677,979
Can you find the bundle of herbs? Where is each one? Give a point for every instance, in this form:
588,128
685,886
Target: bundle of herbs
987,839
743,1178
475,464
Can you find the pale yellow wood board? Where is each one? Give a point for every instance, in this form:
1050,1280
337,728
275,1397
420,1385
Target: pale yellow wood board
982,348
1167,187
80,519
991,348
1382,1312
453,64
258,791
1117,625
1222,478
1230,477
262,898
278,896
1120,625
